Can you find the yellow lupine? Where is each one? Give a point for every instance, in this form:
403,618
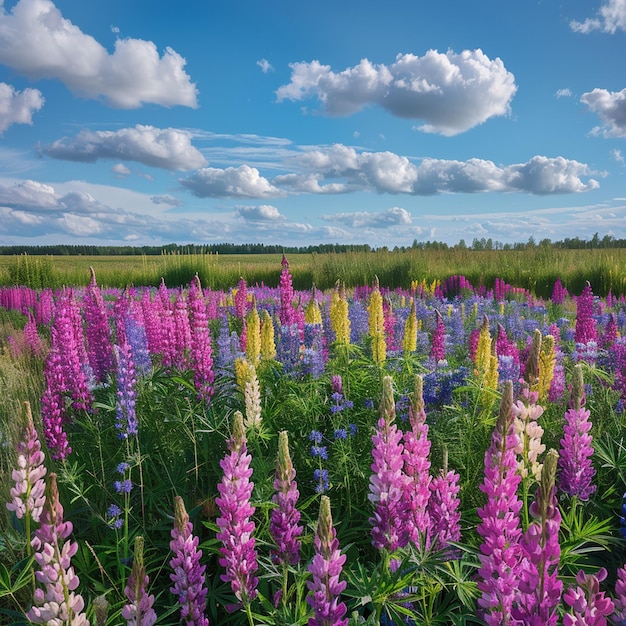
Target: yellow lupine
409,341
377,326
243,373
253,335
312,313
268,347
547,361
339,319
483,351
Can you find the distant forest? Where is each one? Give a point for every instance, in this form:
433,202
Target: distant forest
608,241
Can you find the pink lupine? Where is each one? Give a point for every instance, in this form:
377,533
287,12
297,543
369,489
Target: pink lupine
236,528
29,494
540,588
444,509
200,348
182,332
416,468
438,347
576,471
150,311
325,587
610,332
31,336
138,611
499,521
387,481
620,597
588,605
586,330
389,324
286,312
99,347
559,293
284,519
241,299
188,574
55,603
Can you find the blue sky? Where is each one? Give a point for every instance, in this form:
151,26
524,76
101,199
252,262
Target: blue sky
148,122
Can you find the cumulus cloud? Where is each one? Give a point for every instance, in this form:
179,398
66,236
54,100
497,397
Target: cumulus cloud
610,18
261,213
395,216
308,183
167,199
241,182
386,172
451,92
120,170
610,106
167,148
40,43
265,66
17,107
28,194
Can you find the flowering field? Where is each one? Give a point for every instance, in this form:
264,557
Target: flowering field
444,454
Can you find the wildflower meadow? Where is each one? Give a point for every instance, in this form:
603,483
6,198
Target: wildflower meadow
443,454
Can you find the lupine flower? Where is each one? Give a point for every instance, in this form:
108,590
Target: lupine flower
559,293
268,347
586,330
286,314
325,587
444,509
389,323
56,604
126,423
620,597
136,337
416,468
188,574
575,469
387,481
589,606
526,412
499,520
100,351
540,588
252,400
312,314
253,330
31,336
284,518
29,494
236,527
138,611
547,362
409,341
320,477
339,319
438,347
377,326
241,299
200,347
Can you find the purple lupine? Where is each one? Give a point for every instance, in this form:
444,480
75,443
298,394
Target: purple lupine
99,347
56,602
620,597
188,574
53,407
286,313
138,611
241,299
608,338
29,494
182,332
325,568
576,471
559,293
284,518
438,345
589,606
444,508
499,520
540,588
31,336
236,528
201,351
416,468
387,481
585,322
126,423
136,336
152,323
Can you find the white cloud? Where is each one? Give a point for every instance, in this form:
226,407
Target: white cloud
120,170
611,18
167,148
17,107
167,199
261,213
564,93
395,216
240,182
37,41
610,106
618,156
308,183
450,92
29,194
265,66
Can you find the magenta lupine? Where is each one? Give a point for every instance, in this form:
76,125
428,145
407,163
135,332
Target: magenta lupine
32,338
284,519
586,330
539,586
559,293
608,338
201,350
416,467
389,324
589,606
241,299
576,471
53,407
499,520
138,611
236,528
150,310
99,347
286,312
438,345
444,508
620,597
182,332
29,494
188,574
55,603
325,568
387,481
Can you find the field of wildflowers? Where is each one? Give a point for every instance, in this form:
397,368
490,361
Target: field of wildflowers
444,454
